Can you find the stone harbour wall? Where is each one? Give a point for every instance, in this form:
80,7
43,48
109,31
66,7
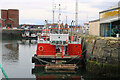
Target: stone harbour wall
102,55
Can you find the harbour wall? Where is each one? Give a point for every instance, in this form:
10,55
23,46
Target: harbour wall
16,33
102,56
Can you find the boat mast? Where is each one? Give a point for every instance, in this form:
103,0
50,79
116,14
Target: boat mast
66,19
76,15
59,13
54,6
59,17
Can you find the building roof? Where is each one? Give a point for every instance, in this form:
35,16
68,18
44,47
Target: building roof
94,20
108,15
117,6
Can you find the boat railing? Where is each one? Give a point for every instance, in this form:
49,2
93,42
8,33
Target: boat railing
74,42
43,41
58,42
51,51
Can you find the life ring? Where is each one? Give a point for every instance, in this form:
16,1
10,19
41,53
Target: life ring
41,48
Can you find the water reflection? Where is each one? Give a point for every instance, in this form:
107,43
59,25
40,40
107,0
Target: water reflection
28,42
16,58
41,73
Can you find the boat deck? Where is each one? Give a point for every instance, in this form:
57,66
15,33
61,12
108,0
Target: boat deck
60,67
54,56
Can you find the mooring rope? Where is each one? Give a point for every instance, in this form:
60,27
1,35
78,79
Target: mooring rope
5,75
43,60
76,56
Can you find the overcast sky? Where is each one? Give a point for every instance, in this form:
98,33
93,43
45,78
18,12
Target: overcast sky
36,11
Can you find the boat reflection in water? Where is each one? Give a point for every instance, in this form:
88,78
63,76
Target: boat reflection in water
41,73
28,41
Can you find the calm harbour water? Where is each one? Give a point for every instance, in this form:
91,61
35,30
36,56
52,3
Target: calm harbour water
17,60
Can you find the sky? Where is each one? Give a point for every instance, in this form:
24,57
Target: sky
37,11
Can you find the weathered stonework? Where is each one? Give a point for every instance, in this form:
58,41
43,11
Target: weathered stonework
102,55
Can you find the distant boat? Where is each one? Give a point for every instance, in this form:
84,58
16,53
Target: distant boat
28,35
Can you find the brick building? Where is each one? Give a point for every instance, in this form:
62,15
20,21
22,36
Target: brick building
10,18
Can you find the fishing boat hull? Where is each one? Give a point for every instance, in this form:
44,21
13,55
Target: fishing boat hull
43,60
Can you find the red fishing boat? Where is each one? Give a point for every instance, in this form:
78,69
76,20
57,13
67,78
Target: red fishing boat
57,45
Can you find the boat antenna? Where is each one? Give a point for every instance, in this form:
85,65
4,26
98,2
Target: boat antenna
76,15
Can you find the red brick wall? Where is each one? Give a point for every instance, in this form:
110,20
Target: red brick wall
11,16
14,14
3,16
11,22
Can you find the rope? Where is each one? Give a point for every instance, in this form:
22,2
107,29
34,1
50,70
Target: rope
42,60
76,56
5,75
